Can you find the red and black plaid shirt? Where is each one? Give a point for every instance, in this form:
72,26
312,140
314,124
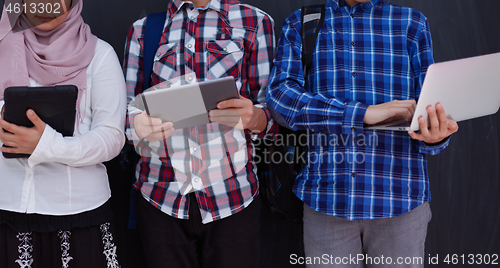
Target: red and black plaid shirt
225,38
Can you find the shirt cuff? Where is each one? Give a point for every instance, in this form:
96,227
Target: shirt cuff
132,136
354,115
39,155
1,107
435,148
270,128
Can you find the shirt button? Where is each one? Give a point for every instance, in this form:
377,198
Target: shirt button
353,43
225,49
354,73
352,15
190,78
196,180
192,18
189,46
353,174
353,129
195,149
158,54
355,140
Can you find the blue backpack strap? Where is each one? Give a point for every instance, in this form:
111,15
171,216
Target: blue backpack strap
312,20
152,35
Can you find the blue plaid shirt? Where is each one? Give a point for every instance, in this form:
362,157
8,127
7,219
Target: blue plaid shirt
369,54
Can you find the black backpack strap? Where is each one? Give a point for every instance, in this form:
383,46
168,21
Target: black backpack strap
152,36
312,20
277,178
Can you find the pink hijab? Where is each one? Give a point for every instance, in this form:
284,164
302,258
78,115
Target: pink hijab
55,57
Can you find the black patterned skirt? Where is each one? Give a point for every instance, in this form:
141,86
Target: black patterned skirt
40,241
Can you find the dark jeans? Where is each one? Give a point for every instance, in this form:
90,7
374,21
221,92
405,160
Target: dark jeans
232,242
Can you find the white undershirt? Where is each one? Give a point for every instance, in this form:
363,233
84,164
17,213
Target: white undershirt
65,175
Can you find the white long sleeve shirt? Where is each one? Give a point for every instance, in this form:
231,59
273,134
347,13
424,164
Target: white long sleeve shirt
65,175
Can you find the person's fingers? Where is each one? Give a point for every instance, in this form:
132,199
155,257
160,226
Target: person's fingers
154,121
10,150
452,126
441,126
160,134
403,102
231,123
404,109
223,113
145,125
443,120
141,119
413,107
162,127
424,131
228,121
8,126
167,133
227,117
10,143
3,133
392,110
410,105
409,114
433,118
234,103
7,138
33,117
144,119
152,137
150,121
415,136
401,113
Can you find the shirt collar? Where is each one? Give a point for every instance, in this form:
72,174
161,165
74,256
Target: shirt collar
220,6
335,4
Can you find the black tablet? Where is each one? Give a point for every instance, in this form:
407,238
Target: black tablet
55,105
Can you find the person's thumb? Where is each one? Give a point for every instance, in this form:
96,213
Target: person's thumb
33,117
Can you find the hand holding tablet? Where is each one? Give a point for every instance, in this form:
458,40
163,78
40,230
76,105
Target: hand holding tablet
152,129
55,105
188,105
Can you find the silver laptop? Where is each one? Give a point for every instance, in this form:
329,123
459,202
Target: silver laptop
467,88
188,105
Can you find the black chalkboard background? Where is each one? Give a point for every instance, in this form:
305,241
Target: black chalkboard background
465,179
